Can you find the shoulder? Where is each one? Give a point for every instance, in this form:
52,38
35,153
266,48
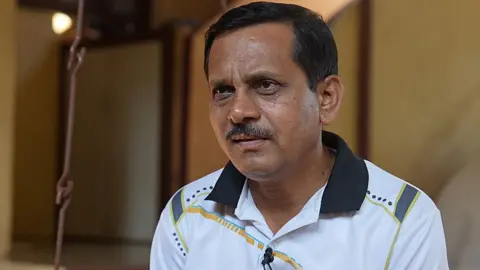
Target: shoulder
175,228
418,241
194,193
174,220
398,196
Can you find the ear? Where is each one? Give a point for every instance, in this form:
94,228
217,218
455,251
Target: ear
330,95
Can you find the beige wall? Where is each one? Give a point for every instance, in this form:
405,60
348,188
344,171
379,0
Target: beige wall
36,124
458,202
425,88
201,139
7,101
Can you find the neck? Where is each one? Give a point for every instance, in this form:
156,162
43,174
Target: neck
281,199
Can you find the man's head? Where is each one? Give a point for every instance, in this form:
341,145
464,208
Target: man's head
272,70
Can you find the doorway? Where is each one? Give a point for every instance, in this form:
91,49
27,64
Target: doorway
116,145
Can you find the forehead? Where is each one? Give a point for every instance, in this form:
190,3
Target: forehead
265,46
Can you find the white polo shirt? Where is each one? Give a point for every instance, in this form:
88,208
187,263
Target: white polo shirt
364,218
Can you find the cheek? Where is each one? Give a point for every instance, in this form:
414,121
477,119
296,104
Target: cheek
308,120
293,120
215,122
311,112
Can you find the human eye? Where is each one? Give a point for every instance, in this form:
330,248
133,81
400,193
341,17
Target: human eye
222,92
266,86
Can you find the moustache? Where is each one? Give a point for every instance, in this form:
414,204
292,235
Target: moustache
248,130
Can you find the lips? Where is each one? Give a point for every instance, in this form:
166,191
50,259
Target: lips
248,143
244,138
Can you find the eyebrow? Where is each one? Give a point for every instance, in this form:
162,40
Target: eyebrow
260,75
218,83
249,78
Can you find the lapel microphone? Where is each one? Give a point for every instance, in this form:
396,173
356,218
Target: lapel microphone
267,258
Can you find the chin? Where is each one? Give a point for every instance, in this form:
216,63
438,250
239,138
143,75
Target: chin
256,166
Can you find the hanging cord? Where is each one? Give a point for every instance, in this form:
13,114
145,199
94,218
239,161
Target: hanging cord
65,184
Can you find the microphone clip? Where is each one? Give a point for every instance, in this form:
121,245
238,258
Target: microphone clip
267,258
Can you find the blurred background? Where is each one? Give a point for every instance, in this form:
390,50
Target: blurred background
412,105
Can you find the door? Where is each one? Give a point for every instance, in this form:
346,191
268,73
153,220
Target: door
116,144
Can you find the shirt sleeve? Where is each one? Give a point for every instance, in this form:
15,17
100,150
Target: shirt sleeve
167,251
420,244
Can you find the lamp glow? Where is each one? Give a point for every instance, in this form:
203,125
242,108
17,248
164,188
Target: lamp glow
61,23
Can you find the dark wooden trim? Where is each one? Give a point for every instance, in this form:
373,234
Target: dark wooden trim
177,178
196,26
364,76
186,110
186,100
144,15
62,118
167,112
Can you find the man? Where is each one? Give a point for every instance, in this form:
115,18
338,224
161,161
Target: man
292,196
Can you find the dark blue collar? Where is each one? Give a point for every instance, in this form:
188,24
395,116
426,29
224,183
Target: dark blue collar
345,190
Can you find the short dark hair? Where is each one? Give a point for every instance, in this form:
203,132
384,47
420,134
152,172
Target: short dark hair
314,49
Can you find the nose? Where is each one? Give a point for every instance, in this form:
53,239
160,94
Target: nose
244,108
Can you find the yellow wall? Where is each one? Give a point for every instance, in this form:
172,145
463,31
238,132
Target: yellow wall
7,100
201,139
425,88
36,125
